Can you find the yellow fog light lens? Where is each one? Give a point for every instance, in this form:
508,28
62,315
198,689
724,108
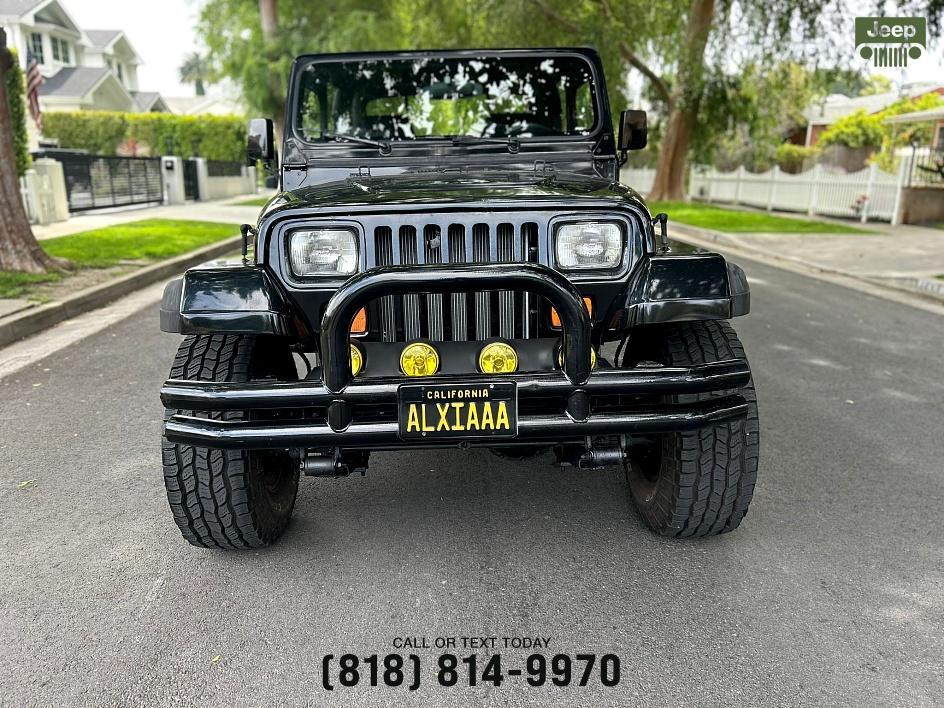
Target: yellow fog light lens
419,359
357,360
560,358
498,358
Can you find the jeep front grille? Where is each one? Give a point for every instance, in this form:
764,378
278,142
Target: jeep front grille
457,316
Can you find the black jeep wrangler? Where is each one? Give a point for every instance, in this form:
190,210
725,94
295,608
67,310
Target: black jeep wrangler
447,260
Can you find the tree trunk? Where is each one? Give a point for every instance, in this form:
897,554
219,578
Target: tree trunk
269,18
269,21
669,182
19,249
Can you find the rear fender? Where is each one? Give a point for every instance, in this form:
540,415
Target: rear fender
239,299
680,288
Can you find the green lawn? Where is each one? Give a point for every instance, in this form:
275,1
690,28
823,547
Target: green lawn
145,240
142,241
14,284
736,221
259,202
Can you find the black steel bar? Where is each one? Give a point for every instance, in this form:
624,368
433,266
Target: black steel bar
400,280
211,396
539,428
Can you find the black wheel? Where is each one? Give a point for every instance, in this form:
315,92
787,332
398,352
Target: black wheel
230,498
696,483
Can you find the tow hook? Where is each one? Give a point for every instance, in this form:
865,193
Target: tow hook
593,454
336,463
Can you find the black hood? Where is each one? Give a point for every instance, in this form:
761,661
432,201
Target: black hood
445,187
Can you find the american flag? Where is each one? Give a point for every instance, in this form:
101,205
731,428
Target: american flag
34,80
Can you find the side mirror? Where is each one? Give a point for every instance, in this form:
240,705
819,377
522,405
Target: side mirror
261,142
633,134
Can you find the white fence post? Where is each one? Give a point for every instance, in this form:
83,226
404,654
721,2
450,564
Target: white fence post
772,192
814,189
738,176
904,169
28,192
869,187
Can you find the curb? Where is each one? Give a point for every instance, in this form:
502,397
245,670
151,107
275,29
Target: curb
35,319
924,288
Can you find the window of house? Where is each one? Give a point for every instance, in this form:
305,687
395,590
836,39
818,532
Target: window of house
121,75
36,47
60,50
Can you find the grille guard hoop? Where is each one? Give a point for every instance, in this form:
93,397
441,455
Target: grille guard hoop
467,278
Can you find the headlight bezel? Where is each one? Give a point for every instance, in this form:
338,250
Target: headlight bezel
589,219
328,276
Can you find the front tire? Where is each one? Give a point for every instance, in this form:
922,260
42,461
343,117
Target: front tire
232,499
700,482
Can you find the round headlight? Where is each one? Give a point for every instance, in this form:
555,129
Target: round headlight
498,358
419,359
357,360
589,245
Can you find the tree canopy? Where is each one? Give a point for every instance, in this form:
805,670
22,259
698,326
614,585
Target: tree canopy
718,72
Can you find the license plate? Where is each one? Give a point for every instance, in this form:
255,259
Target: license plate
458,411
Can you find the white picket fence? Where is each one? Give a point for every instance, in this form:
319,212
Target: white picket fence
867,194
639,178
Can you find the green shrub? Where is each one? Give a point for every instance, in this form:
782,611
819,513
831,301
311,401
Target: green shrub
16,92
791,158
860,129
98,132
104,133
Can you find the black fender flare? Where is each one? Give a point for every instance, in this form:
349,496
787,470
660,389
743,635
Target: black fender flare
680,288
231,299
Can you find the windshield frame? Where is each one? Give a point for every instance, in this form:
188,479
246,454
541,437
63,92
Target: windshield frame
602,122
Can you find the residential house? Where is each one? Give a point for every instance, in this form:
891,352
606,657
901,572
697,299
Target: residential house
824,113
85,69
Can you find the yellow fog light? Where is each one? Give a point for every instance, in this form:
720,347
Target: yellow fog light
419,359
560,358
357,360
498,358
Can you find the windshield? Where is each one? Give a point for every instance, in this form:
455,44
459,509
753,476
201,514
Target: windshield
394,99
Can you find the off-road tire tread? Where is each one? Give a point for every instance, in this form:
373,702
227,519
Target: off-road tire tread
209,489
710,481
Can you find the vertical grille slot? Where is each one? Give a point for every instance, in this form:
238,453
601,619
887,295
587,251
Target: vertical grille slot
506,299
432,253
481,252
459,320
383,244
411,303
529,306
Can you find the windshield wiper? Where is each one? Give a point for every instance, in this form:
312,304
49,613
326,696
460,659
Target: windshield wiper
381,145
512,144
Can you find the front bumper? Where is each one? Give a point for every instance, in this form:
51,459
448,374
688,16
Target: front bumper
333,410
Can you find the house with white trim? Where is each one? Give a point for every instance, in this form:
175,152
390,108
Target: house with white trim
85,69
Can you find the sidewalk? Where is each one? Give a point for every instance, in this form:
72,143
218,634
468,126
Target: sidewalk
903,257
21,317
221,210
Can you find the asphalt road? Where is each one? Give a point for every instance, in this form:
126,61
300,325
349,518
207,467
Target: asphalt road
831,592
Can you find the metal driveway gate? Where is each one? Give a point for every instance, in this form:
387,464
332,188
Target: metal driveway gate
100,181
191,186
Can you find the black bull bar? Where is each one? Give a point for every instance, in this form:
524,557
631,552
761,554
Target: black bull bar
338,393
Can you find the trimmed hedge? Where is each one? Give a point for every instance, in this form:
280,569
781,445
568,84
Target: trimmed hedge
16,97
106,132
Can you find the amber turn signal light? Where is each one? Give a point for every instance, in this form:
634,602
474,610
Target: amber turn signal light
359,325
555,318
